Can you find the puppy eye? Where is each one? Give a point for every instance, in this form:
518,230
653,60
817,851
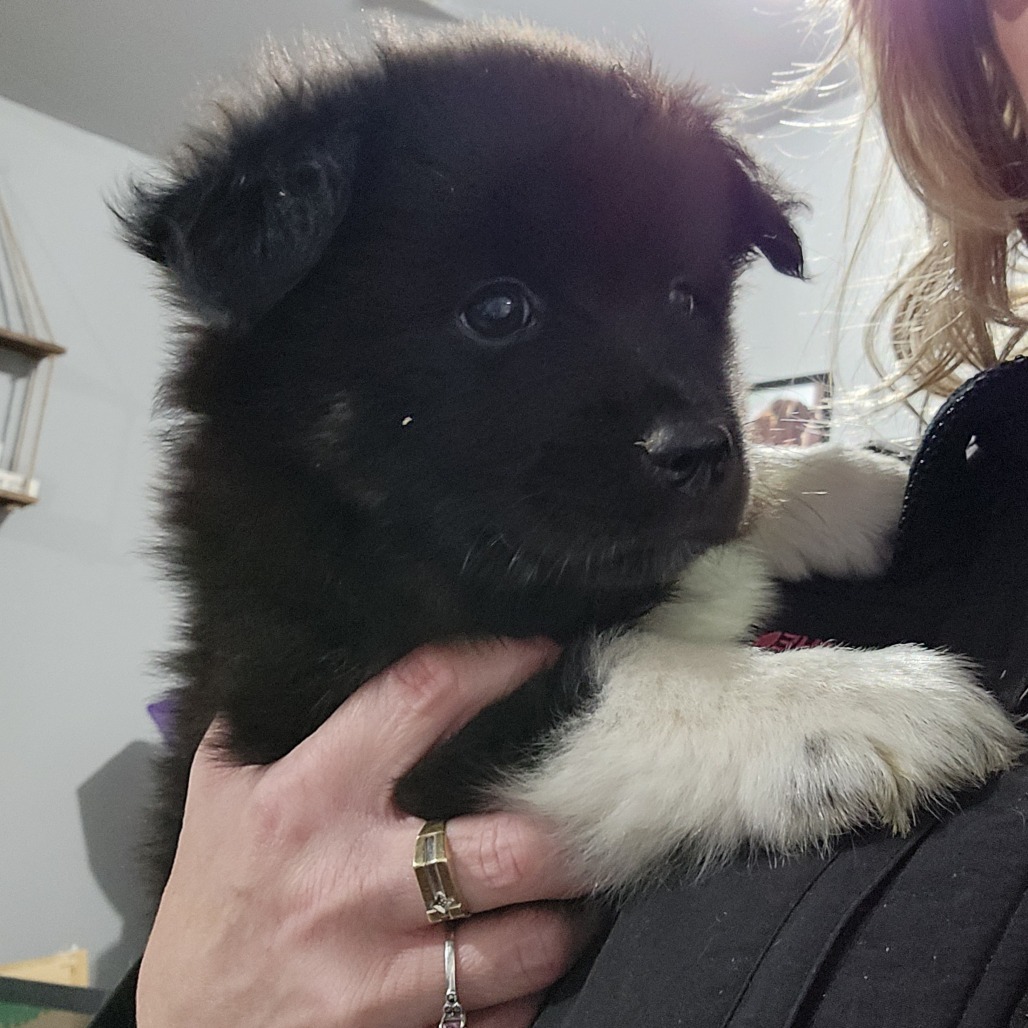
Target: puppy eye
682,297
497,311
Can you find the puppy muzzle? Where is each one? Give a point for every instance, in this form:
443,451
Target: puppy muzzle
689,456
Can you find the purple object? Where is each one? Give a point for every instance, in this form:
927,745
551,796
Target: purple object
163,714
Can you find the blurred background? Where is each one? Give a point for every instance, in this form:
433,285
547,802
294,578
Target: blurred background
90,92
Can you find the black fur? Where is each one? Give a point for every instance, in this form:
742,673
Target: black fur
357,472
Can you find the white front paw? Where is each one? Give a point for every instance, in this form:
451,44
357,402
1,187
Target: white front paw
704,751
874,736
825,510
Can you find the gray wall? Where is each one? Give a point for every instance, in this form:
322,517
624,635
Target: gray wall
81,610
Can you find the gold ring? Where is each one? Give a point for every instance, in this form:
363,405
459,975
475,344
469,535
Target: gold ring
432,867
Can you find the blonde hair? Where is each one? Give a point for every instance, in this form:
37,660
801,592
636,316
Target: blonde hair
954,121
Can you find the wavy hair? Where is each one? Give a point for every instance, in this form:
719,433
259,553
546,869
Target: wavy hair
954,121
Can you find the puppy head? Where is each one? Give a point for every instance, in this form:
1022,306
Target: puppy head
479,289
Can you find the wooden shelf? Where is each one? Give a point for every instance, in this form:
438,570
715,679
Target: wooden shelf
70,967
29,345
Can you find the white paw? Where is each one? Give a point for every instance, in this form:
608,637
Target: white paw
872,737
706,751
825,510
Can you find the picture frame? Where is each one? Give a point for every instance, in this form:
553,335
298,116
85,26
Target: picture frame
790,411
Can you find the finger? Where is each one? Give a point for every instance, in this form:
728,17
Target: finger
496,860
521,951
506,956
520,1013
503,859
398,716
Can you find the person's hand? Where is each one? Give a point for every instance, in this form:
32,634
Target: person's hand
292,901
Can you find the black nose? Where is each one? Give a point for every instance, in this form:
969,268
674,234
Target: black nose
688,455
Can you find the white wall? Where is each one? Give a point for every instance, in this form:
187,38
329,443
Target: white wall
789,328
81,613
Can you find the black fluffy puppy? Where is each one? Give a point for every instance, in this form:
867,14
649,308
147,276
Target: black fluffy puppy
459,365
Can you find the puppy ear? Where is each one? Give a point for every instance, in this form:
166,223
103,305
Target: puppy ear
248,211
772,233
763,212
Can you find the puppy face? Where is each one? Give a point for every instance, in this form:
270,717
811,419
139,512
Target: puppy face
480,292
